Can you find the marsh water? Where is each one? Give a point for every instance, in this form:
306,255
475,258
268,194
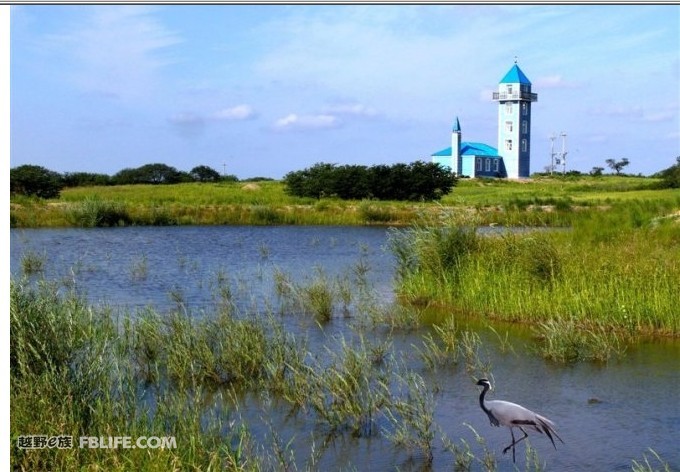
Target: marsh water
607,415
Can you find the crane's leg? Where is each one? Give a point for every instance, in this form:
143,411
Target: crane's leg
512,445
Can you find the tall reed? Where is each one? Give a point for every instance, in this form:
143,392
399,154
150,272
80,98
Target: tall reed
95,212
70,375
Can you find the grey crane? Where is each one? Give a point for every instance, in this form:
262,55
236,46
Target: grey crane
512,415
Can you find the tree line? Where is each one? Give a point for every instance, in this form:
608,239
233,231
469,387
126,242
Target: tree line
415,181
38,181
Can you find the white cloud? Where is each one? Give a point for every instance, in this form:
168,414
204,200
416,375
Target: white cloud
392,62
306,122
190,123
238,112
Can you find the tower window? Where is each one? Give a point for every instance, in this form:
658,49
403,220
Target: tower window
524,145
525,108
508,126
508,108
525,127
508,144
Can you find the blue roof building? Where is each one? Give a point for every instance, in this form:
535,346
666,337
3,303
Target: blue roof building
474,159
515,76
471,159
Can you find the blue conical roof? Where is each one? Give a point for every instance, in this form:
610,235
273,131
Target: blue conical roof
456,126
515,76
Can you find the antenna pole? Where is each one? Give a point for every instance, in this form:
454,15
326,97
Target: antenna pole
563,156
552,153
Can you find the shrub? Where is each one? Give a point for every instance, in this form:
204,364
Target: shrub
151,174
415,181
85,179
671,176
35,180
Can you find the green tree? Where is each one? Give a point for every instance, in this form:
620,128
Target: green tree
316,181
415,181
617,166
428,181
151,174
351,182
671,176
84,179
596,171
204,174
35,180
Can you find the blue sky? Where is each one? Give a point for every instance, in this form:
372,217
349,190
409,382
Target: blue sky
262,90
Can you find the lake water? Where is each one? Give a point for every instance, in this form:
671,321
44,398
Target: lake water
638,397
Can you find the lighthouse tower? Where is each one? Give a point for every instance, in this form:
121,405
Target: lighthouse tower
514,99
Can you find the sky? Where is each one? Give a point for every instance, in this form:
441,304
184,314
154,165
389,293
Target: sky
263,90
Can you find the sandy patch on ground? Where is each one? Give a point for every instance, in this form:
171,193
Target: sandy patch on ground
250,187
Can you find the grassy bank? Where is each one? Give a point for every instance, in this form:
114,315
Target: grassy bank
262,203
613,273
541,202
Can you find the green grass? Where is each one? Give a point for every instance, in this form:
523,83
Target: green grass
537,202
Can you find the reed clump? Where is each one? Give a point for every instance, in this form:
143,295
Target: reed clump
567,341
33,263
411,416
214,351
347,389
70,376
94,212
320,296
646,466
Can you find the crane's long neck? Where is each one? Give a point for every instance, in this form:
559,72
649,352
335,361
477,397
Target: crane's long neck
492,418
481,400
